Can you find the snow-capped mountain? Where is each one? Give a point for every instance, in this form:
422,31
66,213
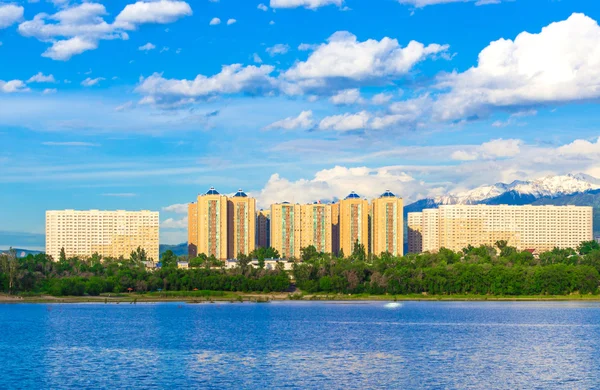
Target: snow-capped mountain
522,192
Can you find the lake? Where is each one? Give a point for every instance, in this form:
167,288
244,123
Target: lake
479,345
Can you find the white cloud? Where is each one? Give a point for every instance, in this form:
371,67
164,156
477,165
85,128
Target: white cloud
272,22
178,208
148,46
78,28
337,183
344,57
214,21
10,14
381,98
232,79
279,48
41,78
345,122
581,148
89,82
13,86
534,69
256,58
302,121
49,91
125,106
172,223
311,4
262,7
307,47
347,96
462,155
161,12
231,21
501,147
424,3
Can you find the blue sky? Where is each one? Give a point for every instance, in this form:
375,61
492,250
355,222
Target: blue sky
142,105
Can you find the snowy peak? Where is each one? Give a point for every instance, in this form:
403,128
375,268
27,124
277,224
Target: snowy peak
549,186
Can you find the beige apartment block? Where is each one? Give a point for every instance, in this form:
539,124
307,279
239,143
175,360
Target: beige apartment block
316,226
108,233
335,228
241,214
208,219
387,225
286,226
263,228
415,232
354,223
541,228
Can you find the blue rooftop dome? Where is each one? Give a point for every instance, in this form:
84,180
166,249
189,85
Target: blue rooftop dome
212,191
387,194
240,194
353,195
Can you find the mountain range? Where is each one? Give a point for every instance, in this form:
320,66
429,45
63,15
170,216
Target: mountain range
579,190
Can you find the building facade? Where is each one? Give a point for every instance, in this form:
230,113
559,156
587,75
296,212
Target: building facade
354,223
263,228
208,221
285,229
316,226
241,214
387,225
415,232
541,228
108,233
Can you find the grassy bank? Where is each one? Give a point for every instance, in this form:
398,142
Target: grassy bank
221,296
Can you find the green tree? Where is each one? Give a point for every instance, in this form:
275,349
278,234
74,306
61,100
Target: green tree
587,247
62,256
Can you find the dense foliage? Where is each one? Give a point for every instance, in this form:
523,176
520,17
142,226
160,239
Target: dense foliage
74,276
500,270
484,270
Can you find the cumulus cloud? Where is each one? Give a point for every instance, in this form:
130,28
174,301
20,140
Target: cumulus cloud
178,208
347,96
581,148
336,183
41,78
344,58
302,121
381,98
10,14
214,21
13,86
231,21
345,122
279,48
171,223
311,4
79,28
262,7
49,91
256,58
90,82
534,69
148,46
494,149
232,79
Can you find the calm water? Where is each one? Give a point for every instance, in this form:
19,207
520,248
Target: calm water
301,345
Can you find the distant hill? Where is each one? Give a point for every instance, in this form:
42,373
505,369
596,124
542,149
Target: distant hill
588,198
179,249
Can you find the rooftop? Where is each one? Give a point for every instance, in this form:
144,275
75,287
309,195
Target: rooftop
212,191
240,194
353,195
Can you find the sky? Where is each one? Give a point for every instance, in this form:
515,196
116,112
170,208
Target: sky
113,104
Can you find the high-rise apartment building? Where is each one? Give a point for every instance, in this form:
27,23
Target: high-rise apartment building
285,229
387,225
354,223
263,228
335,228
208,222
525,227
316,226
415,232
241,214
108,233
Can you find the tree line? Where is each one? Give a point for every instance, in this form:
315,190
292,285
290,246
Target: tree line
483,270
